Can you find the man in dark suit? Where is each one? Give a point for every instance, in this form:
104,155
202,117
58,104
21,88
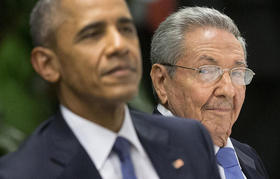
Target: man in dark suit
199,71
89,50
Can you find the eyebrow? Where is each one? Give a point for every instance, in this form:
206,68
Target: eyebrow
207,58
241,62
100,25
213,60
93,25
125,20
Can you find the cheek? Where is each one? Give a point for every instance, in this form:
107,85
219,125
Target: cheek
136,57
240,96
80,71
186,99
239,100
198,97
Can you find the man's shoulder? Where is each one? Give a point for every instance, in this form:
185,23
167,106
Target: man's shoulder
189,139
241,146
183,131
34,150
163,121
245,148
36,138
154,117
246,154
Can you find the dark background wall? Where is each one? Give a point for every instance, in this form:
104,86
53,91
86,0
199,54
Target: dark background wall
25,100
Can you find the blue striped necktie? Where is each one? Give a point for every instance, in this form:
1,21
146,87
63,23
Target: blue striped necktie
227,159
122,149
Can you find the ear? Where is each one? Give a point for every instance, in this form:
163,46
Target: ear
45,63
159,76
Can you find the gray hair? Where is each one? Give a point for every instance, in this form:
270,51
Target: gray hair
43,21
167,42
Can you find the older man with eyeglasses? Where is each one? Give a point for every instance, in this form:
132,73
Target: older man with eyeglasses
199,71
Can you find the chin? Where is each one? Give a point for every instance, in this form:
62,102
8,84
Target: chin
122,95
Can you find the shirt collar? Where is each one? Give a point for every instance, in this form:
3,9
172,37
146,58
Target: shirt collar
164,111
97,140
128,131
229,145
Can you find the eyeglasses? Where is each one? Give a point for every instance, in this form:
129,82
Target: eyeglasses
210,73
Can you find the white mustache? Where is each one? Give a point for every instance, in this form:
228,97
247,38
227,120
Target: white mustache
220,104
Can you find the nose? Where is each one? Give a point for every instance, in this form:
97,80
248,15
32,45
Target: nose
116,43
225,87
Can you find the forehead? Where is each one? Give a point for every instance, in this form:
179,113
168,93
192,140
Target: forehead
218,44
75,15
97,9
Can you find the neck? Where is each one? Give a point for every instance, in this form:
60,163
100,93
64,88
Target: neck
108,115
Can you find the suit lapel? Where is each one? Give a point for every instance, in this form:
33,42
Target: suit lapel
247,164
166,160
80,166
68,155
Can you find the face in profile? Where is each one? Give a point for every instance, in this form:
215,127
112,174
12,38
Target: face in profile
216,104
97,52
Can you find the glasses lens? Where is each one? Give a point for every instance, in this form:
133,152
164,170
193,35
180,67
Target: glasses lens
242,76
249,76
209,73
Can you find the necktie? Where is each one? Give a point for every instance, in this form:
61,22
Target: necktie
227,159
122,148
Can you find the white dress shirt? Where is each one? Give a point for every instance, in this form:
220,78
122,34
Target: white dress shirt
166,112
98,143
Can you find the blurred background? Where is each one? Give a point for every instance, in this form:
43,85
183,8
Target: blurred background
26,100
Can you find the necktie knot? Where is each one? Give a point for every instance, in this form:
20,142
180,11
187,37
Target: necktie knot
227,159
122,148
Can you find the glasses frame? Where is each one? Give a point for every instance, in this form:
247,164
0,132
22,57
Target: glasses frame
223,70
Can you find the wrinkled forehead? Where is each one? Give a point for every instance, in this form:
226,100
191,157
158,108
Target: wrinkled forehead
213,42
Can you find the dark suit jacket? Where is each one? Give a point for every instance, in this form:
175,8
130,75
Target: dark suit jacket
250,162
53,152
